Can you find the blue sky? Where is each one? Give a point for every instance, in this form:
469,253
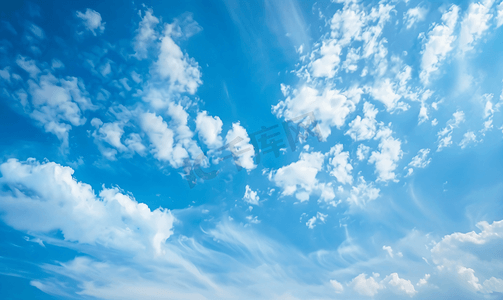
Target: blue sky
251,150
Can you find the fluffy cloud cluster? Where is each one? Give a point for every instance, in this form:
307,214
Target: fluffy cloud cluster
92,21
329,108
389,154
439,42
45,198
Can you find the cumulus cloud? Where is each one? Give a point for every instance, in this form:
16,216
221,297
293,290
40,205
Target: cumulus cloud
250,196
299,177
44,197
58,104
339,162
464,254
337,286
182,71
474,24
238,142
364,129
92,21
414,15
438,43
365,286
145,34
362,152
330,108
389,154
161,140
384,91
209,129
399,285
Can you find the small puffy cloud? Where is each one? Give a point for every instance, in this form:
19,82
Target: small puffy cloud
399,285
365,286
389,154
362,193
311,223
421,160
468,138
384,91
445,135
414,15
92,21
325,66
299,177
161,139
209,129
390,251
329,108
58,104
337,286
364,129
250,196
362,152
424,281
239,142
29,65
339,162
438,43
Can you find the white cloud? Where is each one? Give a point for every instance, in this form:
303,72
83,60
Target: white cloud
474,24
439,43
325,66
299,177
480,251
364,129
250,196
445,135
161,139
389,153
44,197
339,161
209,129
337,286
384,91
420,160
468,138
182,71
499,17
58,101
330,108
239,141
362,193
145,34
424,281
399,285
362,152
92,21
365,286
29,65
311,223
414,15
